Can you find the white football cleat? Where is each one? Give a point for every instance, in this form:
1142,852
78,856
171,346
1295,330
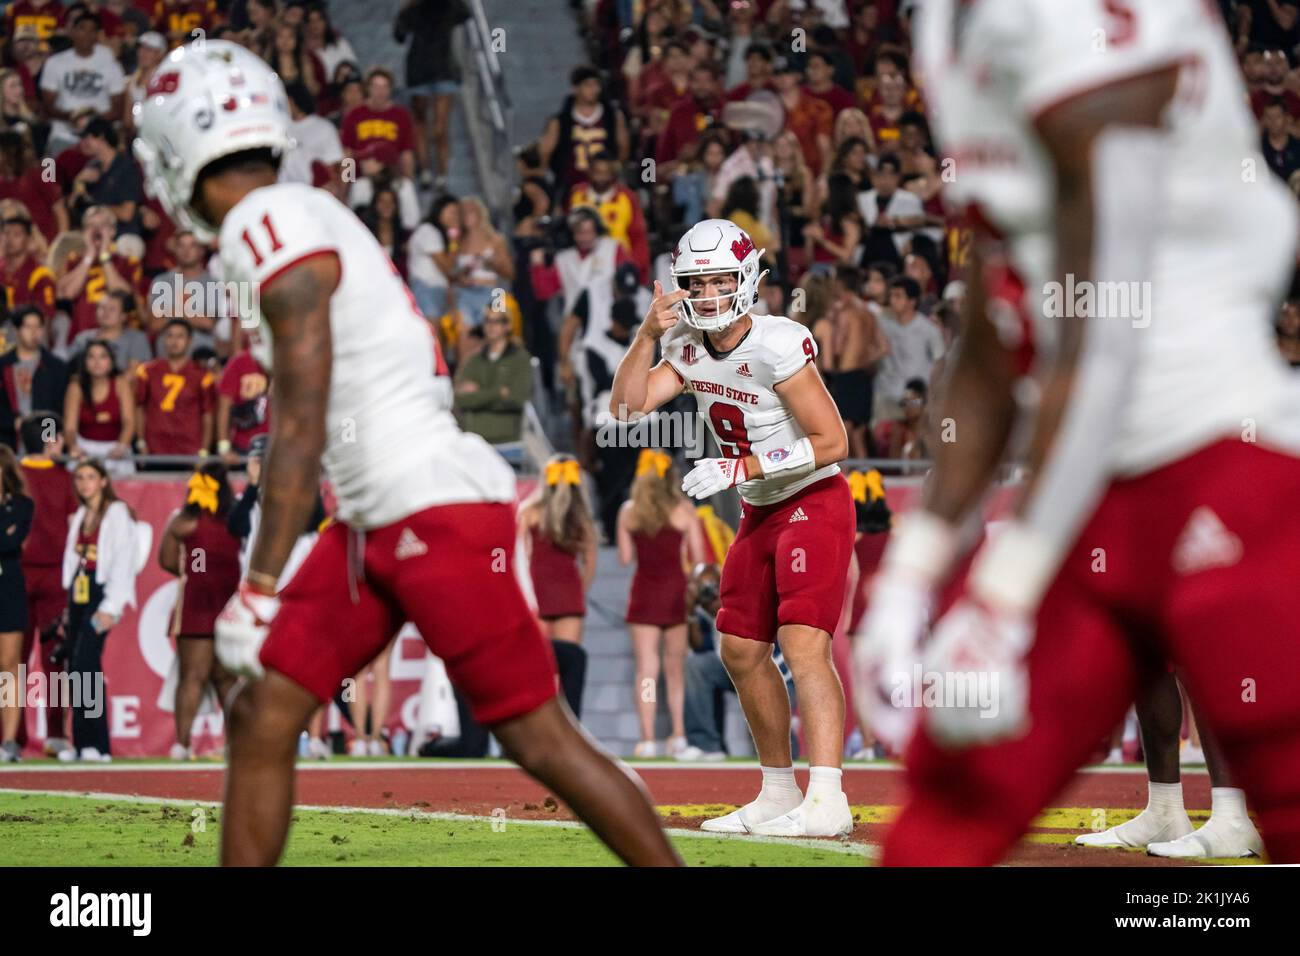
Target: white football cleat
317,749
645,750
1115,756
179,752
692,753
674,746
753,814
357,748
815,817
1147,827
1220,838
1191,756
92,755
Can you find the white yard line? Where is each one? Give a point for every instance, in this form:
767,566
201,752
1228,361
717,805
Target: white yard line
831,846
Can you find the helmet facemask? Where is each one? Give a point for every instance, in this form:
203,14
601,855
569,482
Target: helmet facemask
738,303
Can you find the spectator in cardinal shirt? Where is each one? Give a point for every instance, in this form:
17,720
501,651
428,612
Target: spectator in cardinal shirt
1281,149
660,86
619,209
809,118
86,276
31,376
690,117
1266,78
821,82
21,179
23,277
40,19
243,406
175,398
758,72
380,119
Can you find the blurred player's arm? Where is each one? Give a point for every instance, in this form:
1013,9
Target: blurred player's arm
639,385
296,305
804,393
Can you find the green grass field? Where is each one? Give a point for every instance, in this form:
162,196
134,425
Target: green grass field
38,830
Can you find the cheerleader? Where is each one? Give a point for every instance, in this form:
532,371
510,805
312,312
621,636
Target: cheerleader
197,546
16,511
559,538
658,529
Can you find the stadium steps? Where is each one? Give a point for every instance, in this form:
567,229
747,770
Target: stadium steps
608,710
369,28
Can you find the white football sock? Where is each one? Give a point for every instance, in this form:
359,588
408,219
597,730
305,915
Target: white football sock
824,781
1228,803
778,782
1165,798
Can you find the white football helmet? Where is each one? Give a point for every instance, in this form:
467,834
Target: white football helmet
718,245
206,100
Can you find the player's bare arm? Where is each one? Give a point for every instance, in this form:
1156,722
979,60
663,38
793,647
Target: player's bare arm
640,387
805,394
296,305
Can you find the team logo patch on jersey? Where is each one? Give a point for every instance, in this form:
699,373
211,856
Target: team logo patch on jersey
409,546
797,516
744,370
1205,543
688,354
777,454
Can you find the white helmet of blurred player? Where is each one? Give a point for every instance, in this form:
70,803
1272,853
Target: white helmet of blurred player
709,247
206,100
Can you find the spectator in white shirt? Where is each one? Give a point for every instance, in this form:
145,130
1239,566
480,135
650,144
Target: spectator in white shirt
431,257
754,159
317,155
376,161
87,74
890,213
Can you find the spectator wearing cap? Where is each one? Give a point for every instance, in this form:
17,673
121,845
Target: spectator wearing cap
432,77
25,279
110,180
87,74
809,118
174,398
21,179
378,170
493,385
113,312
243,405
149,52
821,82
31,376
587,125
691,116
317,156
381,120
619,209
171,296
889,212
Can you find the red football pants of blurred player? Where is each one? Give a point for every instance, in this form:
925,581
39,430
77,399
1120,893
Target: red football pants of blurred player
1194,563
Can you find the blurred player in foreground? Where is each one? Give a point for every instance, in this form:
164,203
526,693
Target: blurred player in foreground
756,384
1157,524
425,525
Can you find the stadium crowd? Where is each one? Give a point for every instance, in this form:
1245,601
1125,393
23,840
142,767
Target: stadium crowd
799,120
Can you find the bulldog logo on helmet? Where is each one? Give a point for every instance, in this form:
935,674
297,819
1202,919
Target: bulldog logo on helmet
713,247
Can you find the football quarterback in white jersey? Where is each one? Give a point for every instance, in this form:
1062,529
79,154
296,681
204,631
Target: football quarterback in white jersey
781,437
360,384
1118,321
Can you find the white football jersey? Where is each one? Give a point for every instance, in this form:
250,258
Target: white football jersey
736,395
1208,364
393,447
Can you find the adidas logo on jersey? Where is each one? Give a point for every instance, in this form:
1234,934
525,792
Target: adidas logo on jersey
409,546
1205,543
797,516
743,369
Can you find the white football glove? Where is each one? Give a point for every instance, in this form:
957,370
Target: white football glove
241,629
711,475
884,654
975,639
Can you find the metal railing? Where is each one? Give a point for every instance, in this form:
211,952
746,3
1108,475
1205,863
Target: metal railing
487,111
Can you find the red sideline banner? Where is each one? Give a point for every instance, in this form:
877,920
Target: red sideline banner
139,654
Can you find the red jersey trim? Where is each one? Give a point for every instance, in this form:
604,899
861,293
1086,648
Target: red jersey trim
1140,73
299,260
